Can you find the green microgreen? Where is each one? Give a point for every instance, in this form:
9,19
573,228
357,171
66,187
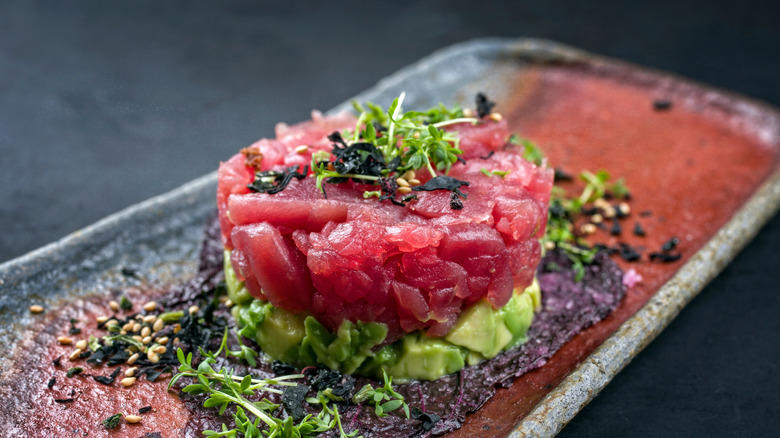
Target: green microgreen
112,421
530,151
385,398
410,140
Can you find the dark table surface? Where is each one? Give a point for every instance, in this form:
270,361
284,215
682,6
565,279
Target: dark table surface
105,104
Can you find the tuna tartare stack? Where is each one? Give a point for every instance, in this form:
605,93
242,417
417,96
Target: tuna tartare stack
416,256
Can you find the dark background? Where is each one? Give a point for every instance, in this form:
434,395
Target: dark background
105,104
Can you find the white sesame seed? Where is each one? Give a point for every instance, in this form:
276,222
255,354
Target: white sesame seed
409,174
193,309
150,306
496,117
163,340
414,182
158,325
301,149
153,357
75,354
402,182
82,344
404,190
150,319
64,340
128,381
131,360
146,331
133,419
146,340
101,319
113,305
130,372
36,308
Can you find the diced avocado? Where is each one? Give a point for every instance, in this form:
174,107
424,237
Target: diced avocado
348,348
281,333
237,292
487,331
421,357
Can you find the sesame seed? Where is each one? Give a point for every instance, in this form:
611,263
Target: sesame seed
228,303
404,190
128,327
588,228
128,382
158,325
130,372
409,174
101,319
597,218
112,322
138,338
193,309
624,208
136,327
177,326
549,245
176,341
468,112
402,182
150,306
133,419
131,360
82,344
36,308
414,182
113,305
496,117
75,354
64,340
153,357
163,340
146,331
150,319
301,149
160,349
146,340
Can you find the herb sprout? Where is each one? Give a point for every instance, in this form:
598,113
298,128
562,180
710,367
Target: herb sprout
385,398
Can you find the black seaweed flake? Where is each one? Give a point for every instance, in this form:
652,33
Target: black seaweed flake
616,229
152,435
73,329
646,213
293,398
145,409
57,361
85,354
428,419
283,369
638,230
443,182
561,175
108,380
662,105
455,202
272,182
51,383
486,157
325,378
344,388
670,244
628,253
484,105
128,272
665,257
64,400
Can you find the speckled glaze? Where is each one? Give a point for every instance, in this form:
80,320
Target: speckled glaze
160,237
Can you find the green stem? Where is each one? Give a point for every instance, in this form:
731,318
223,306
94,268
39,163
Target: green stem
455,122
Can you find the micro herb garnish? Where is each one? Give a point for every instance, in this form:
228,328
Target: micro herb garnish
224,388
563,212
530,151
385,144
385,398
112,421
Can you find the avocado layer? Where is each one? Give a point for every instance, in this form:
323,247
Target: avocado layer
480,333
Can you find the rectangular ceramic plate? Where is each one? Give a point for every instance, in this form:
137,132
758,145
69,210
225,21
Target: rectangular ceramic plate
585,112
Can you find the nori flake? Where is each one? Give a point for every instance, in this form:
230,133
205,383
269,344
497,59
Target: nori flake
293,398
484,105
